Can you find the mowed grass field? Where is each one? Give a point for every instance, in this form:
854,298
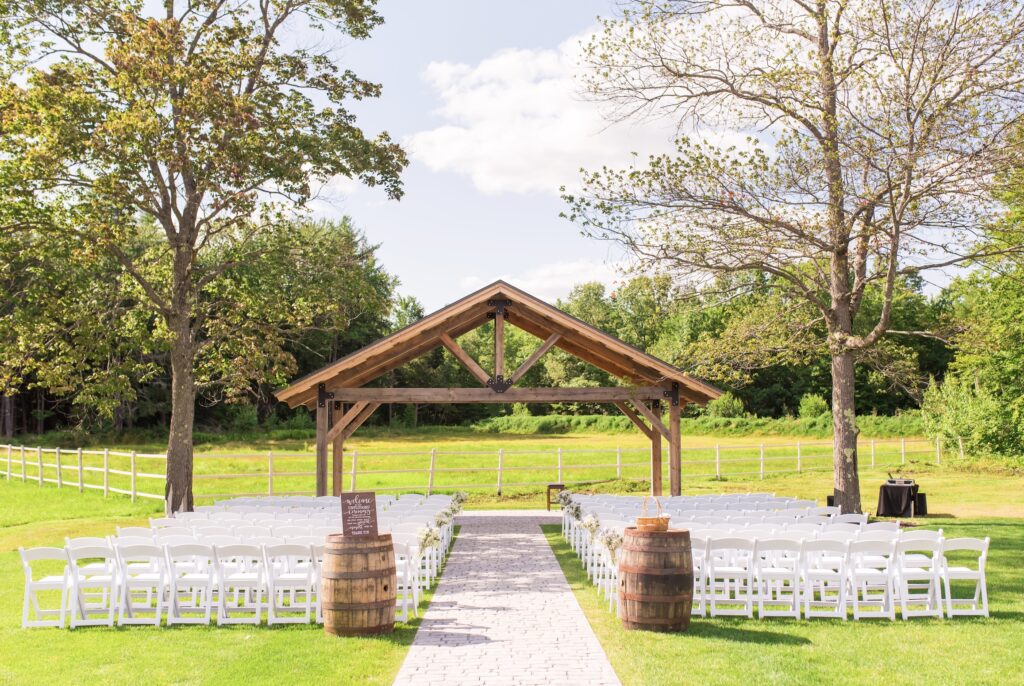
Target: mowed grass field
960,651
463,459
41,516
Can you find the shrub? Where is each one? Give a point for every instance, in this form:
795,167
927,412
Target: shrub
725,406
812,406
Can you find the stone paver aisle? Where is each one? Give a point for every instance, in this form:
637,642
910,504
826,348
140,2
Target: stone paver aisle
503,614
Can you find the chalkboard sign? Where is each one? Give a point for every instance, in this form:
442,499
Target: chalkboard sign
359,514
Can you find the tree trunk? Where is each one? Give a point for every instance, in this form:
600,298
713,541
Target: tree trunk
178,488
844,434
7,416
40,412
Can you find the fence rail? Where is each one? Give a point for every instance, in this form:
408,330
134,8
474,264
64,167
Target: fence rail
290,473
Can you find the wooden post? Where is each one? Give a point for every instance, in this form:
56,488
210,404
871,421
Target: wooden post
798,456
499,344
960,442
762,462
560,466
501,453
355,458
60,479
106,472
618,462
270,473
9,453
656,488
337,472
81,472
938,450
718,462
903,451
22,464
872,453
39,461
674,450
321,449
133,476
433,463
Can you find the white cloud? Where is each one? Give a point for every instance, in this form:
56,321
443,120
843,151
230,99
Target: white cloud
517,122
553,280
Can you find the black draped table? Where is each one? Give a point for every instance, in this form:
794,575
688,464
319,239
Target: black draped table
897,500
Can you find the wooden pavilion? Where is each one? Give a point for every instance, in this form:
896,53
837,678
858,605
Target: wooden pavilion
343,402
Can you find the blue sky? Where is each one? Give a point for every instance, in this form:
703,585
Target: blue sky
483,96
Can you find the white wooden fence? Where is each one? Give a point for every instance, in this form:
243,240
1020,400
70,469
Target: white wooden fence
141,475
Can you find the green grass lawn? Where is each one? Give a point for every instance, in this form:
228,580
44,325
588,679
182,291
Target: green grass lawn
964,650
33,516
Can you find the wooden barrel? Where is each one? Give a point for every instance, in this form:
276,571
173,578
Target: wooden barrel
358,585
655,580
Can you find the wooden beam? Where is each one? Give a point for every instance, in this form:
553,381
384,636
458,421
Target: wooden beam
675,450
337,453
576,350
462,356
344,421
656,463
321,450
533,358
654,419
499,344
358,421
486,395
635,418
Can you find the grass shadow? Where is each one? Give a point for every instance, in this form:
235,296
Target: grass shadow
735,634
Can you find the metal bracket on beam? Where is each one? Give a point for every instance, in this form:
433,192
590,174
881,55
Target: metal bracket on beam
323,395
499,385
500,307
673,395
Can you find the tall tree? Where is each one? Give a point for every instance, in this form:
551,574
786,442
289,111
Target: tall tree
210,117
876,127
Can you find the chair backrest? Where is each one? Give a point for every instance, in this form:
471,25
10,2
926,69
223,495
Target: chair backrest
965,543
122,541
824,553
220,539
876,554
840,535
164,533
288,552
160,522
248,553
730,543
933,546
842,526
851,518
177,540
137,531
290,531
138,552
245,532
921,535
87,542
887,536
777,545
882,526
89,552
30,555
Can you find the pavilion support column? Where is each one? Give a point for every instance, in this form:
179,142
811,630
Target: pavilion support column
674,449
337,454
322,425
655,463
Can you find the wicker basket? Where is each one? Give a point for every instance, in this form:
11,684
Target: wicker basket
656,523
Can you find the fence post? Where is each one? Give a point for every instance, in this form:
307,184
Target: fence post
618,462
433,463
9,453
39,461
501,453
106,472
22,463
798,457
938,450
762,462
718,462
960,442
872,453
355,459
270,472
133,476
560,466
81,472
56,457
903,451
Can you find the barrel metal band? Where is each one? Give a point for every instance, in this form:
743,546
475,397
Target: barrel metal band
673,571
378,605
348,551
656,549
647,621
644,598
371,574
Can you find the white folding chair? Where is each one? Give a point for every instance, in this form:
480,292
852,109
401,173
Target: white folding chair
882,526
978,603
192,581
871,579
917,577
52,582
143,571
93,585
161,522
777,577
289,575
730,576
851,518
824,563
135,531
698,552
407,570
239,572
